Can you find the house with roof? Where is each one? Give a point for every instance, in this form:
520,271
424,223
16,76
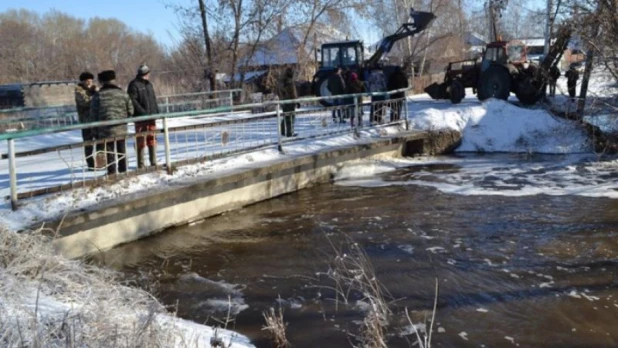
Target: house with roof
262,64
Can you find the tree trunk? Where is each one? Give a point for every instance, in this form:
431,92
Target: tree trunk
211,75
235,40
584,88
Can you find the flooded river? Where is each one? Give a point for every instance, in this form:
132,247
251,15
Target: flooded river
524,249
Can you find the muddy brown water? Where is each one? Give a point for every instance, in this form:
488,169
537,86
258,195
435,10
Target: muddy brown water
531,271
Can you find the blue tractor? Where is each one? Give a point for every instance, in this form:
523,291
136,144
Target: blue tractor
350,54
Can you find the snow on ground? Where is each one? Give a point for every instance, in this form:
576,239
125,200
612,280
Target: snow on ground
49,301
499,126
601,83
53,206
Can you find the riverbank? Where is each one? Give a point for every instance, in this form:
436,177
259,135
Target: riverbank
47,300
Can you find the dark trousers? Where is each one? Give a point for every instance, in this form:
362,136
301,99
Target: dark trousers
121,150
571,88
552,88
88,135
289,116
337,114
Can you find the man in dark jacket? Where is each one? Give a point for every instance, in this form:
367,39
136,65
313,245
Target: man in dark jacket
554,74
397,80
108,104
287,91
355,86
336,86
84,91
144,101
572,76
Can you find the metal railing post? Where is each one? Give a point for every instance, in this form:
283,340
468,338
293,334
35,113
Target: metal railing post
279,129
405,108
231,98
356,114
166,137
12,174
167,105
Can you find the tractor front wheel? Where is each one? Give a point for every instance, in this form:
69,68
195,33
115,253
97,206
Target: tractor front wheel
458,92
495,83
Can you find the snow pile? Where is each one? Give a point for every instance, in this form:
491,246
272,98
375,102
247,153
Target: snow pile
498,126
49,301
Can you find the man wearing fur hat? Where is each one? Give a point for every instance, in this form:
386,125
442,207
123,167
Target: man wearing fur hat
112,103
144,101
84,91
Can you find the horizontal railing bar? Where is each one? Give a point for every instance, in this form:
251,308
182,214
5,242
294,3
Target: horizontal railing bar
45,150
236,90
29,133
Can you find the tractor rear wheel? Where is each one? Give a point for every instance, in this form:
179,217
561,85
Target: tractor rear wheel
458,92
495,83
528,93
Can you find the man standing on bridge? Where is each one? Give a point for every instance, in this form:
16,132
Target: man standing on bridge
84,91
109,104
144,101
336,86
287,91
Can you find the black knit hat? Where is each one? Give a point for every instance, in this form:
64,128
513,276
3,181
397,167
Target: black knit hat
86,76
106,76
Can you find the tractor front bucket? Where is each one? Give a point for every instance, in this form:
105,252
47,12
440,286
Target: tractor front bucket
437,91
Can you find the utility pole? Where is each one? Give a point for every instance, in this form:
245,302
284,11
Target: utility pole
548,26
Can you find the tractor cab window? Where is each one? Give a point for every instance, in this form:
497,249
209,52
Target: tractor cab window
330,57
515,52
491,54
494,54
349,56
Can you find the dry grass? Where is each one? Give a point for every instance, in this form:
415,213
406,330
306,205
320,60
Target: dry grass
49,301
351,270
424,339
276,327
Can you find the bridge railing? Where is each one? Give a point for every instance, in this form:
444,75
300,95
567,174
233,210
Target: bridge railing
188,137
29,118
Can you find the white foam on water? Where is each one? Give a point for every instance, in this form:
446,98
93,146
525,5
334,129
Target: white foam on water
508,175
436,249
463,335
407,248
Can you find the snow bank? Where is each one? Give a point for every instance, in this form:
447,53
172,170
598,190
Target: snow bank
499,126
49,301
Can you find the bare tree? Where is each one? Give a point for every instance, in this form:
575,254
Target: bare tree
208,44
57,46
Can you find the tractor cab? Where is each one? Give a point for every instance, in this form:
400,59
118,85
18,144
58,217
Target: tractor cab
347,54
504,52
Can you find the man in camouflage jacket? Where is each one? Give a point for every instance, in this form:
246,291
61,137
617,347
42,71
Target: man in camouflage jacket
112,103
84,91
